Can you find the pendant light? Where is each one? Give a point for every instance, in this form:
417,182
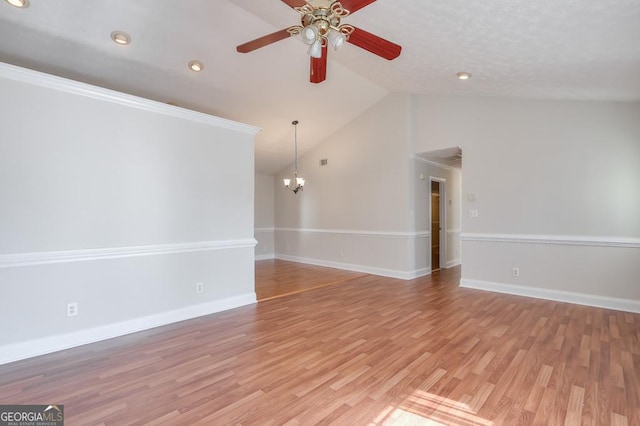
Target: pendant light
298,182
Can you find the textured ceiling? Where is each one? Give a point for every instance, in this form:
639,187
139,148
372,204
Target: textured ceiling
557,49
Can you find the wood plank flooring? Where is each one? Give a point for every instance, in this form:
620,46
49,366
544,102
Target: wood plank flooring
277,278
371,350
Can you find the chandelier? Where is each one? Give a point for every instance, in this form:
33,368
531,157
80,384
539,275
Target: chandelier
298,181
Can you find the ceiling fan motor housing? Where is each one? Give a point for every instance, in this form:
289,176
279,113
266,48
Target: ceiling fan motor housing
323,19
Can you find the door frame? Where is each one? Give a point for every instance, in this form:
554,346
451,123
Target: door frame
442,183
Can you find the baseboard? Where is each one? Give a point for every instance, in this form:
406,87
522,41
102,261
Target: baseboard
555,295
32,348
264,230
452,263
265,256
391,273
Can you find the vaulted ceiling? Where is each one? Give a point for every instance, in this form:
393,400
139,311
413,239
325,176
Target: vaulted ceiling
551,49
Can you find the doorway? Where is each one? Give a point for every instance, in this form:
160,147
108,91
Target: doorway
438,215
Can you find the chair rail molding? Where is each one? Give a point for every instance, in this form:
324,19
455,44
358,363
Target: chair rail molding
568,240
363,233
65,256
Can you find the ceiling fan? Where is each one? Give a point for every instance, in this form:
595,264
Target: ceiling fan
321,27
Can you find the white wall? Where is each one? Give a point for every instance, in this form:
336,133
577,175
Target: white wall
118,204
557,188
353,212
264,216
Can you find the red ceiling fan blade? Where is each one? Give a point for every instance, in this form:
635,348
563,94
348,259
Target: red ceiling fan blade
319,67
263,41
295,3
355,5
374,44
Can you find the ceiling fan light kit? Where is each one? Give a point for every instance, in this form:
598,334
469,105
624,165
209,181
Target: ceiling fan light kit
336,39
321,25
315,50
309,35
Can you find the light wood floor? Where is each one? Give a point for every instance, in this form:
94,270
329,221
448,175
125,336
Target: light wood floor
371,350
277,278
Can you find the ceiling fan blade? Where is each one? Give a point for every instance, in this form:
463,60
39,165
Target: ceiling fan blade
355,5
295,3
374,44
319,67
263,41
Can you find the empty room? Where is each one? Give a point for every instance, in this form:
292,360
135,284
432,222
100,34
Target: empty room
289,212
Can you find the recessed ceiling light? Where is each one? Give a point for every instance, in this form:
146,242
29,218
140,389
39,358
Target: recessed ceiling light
120,37
196,66
463,75
18,3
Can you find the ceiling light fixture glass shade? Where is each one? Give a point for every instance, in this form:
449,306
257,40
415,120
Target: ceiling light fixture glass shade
336,38
309,34
18,3
463,75
299,182
315,50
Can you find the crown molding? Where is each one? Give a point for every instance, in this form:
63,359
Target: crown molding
61,84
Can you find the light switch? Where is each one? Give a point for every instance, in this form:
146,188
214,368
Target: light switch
471,197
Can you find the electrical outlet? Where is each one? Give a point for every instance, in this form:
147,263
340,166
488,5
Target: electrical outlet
72,309
199,287
516,272
473,213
